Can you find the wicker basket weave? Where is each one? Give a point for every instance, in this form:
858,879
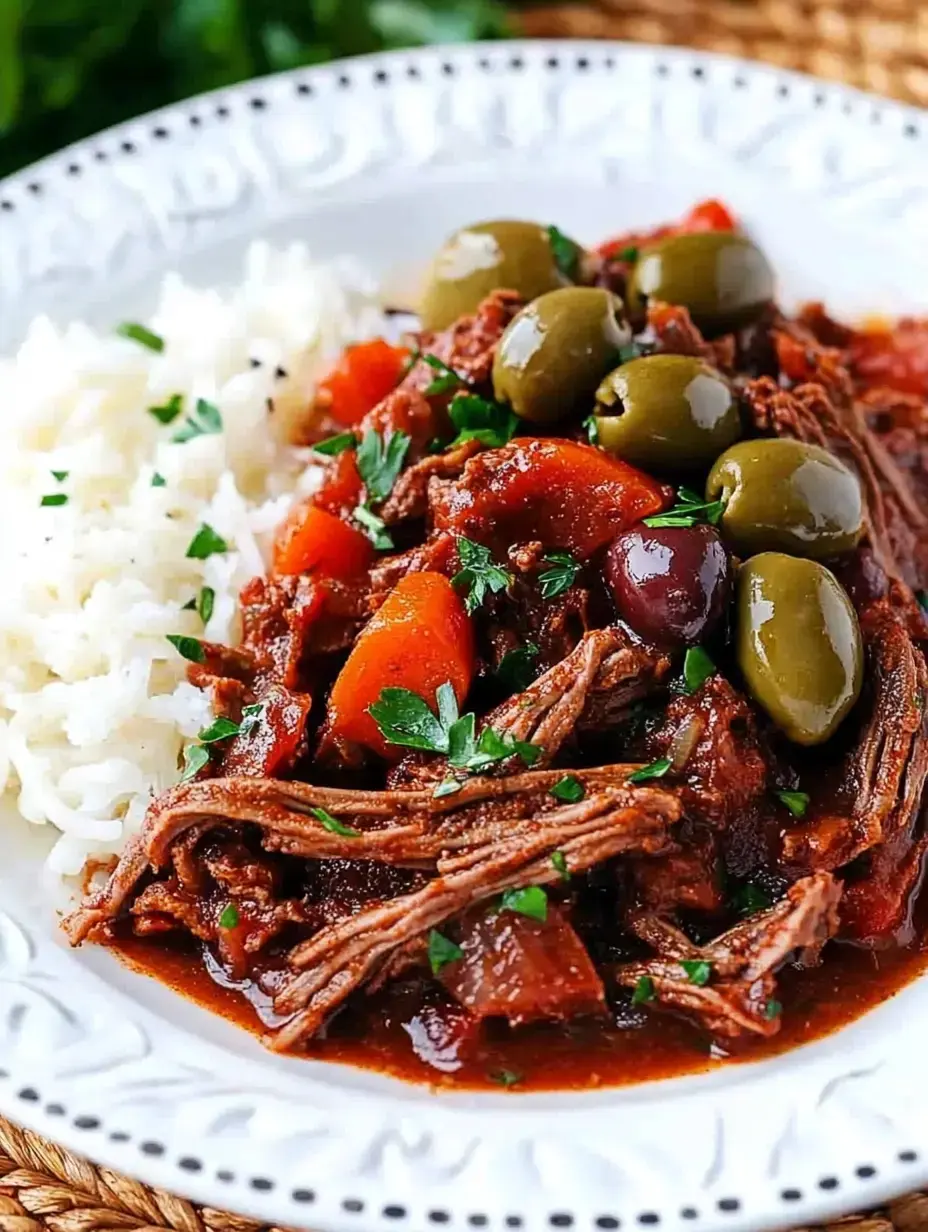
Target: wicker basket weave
881,45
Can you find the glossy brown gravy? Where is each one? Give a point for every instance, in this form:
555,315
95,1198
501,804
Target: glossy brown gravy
581,1054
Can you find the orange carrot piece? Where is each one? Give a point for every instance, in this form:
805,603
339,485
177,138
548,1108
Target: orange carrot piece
310,540
365,373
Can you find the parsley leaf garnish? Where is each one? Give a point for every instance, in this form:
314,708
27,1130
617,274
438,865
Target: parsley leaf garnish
516,668
560,577
447,787
229,917
569,789
644,991
750,898
566,253
630,351
530,900
188,647
375,528
219,729
53,500
772,1009
629,254
334,445
922,597
442,950
479,419
205,543
333,825
169,411
204,420
505,1077
158,480
479,574
796,801
380,460
446,380
592,429
195,758
140,334
405,719
61,476
697,668
206,601
559,860
690,509
697,971
656,770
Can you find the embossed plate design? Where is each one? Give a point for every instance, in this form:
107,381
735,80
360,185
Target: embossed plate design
383,156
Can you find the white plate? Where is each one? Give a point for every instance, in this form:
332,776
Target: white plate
383,156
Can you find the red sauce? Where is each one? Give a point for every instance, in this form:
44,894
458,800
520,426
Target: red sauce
391,1035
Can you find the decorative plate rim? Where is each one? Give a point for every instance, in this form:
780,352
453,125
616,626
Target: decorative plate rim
425,1160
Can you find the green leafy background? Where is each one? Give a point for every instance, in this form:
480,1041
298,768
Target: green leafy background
71,67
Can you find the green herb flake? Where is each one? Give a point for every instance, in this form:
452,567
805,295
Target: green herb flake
375,528
188,647
644,991
690,509
479,419
333,825
229,917
447,787
380,460
442,951
251,717
219,729
566,253
591,423
796,801
334,445
530,900
749,899
569,789
169,411
446,380
516,668
922,597
629,352
656,770
206,601
697,971
158,480
142,335
629,254
478,574
196,757
560,577
697,668
559,860
505,1077
61,476
53,500
205,420
205,543
773,1009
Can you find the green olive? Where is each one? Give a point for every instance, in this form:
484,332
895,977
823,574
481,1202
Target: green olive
485,257
666,413
556,351
783,495
720,276
798,644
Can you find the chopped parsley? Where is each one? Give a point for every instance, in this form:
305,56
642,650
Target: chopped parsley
158,480
442,950
54,499
169,411
773,1009
205,543
479,419
796,801
205,602
689,510
195,758
630,351
333,825
446,380
569,789
405,719
517,668
505,1077
656,770
629,254
559,860
61,476
478,574
749,899
374,527
189,648
530,900
697,971
219,729
592,429
229,917
204,420
922,597
140,334
380,460
447,787
697,668
334,445
566,253
644,991
560,577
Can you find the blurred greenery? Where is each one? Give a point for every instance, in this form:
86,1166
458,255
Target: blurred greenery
71,67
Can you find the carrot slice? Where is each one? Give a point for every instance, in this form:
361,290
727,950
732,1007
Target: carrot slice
310,540
418,640
365,373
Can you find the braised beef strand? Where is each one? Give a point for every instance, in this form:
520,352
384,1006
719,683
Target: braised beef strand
606,707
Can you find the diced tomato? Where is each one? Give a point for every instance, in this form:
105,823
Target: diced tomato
896,358
419,639
711,215
342,488
311,540
365,373
570,496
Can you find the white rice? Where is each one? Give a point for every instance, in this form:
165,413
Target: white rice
94,704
